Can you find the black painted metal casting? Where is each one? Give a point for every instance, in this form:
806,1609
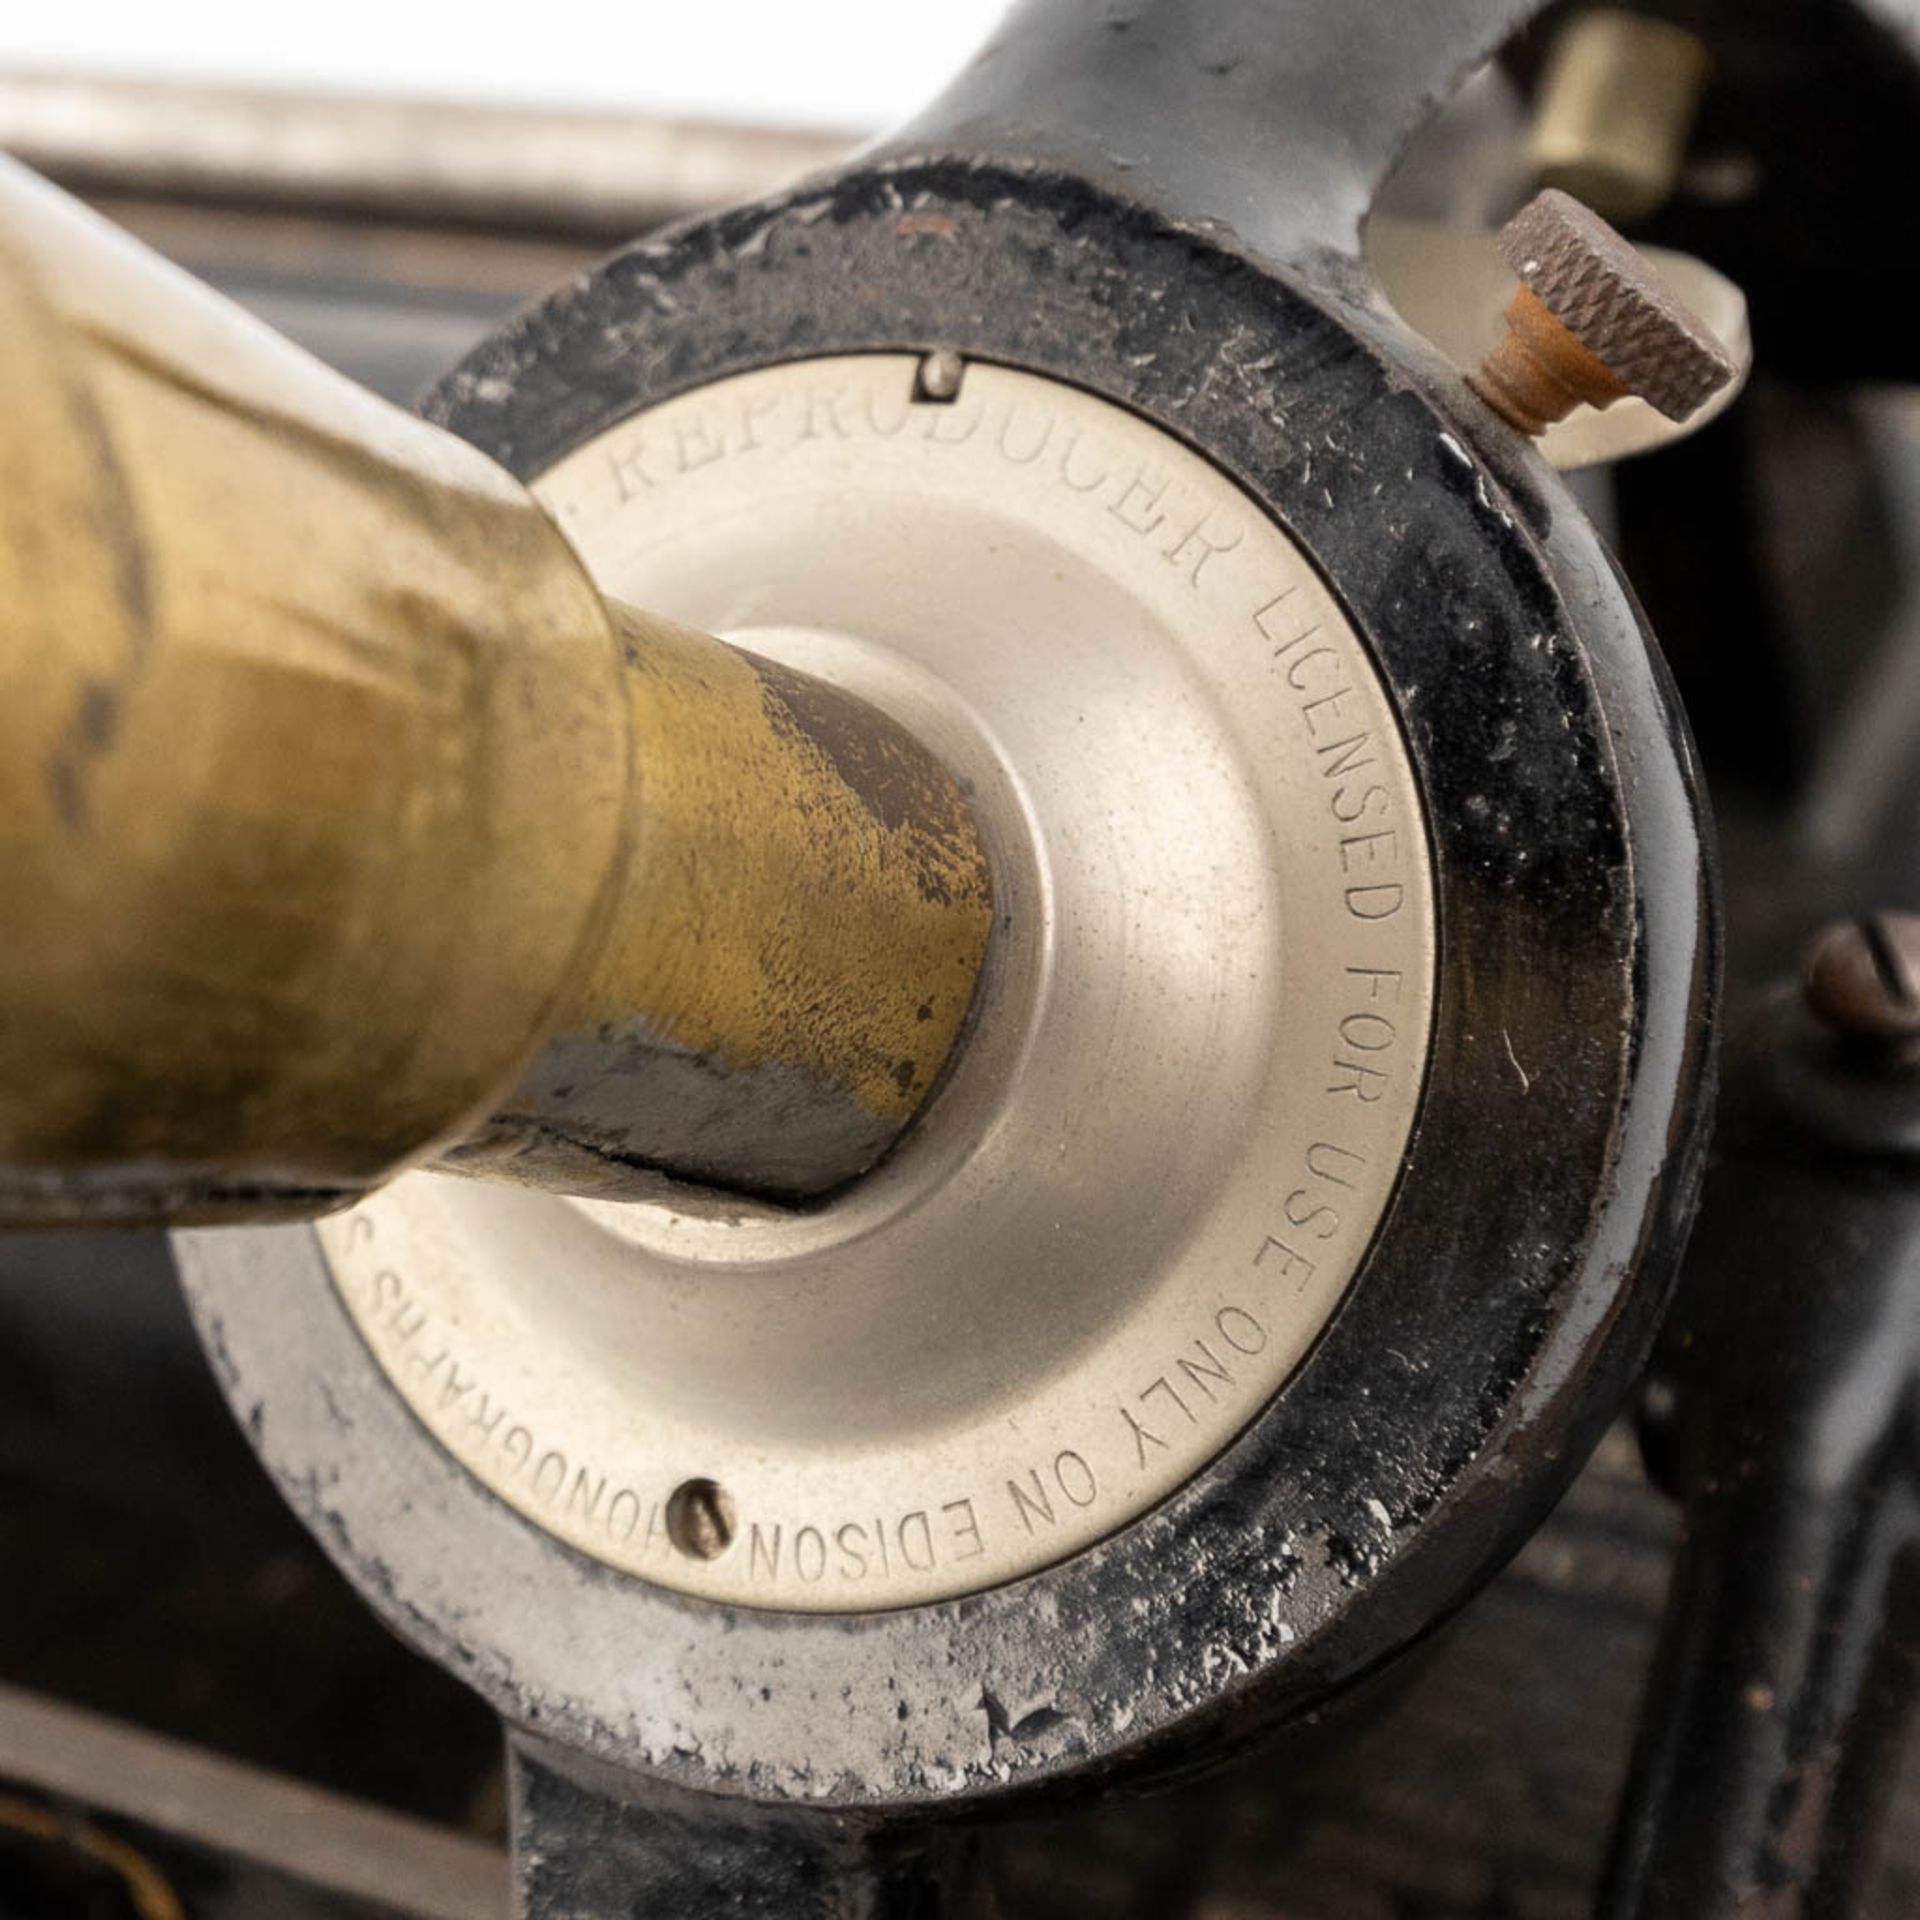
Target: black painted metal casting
1159,203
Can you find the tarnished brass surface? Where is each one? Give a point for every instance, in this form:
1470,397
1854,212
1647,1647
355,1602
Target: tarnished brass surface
793,963
330,788
1616,109
294,694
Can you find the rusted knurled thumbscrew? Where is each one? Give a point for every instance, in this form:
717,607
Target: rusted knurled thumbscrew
1592,322
1862,978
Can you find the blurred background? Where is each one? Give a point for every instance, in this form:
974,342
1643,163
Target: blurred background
841,64
197,1717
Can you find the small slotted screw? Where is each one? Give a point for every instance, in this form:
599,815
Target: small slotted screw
1862,977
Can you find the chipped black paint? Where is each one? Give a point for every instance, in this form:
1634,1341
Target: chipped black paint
1524,1259
872,766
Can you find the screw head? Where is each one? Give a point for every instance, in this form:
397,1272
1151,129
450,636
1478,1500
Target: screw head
1862,977
1607,295
1592,322
940,375
700,1519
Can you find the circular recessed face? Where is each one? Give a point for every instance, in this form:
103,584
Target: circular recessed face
1195,1059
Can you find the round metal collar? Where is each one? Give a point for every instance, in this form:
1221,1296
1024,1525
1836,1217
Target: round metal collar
1195,1063
1512,1285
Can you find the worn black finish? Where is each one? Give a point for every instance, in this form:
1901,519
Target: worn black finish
1521,1268
1848,1663
591,1839
1175,230
1269,122
1786,1394
1573,980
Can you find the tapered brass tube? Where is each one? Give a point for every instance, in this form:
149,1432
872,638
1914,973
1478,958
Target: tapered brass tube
343,824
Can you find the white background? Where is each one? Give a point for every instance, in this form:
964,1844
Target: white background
852,64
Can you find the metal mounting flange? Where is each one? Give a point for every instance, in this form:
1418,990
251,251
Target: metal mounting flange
1195,1059
1512,1283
